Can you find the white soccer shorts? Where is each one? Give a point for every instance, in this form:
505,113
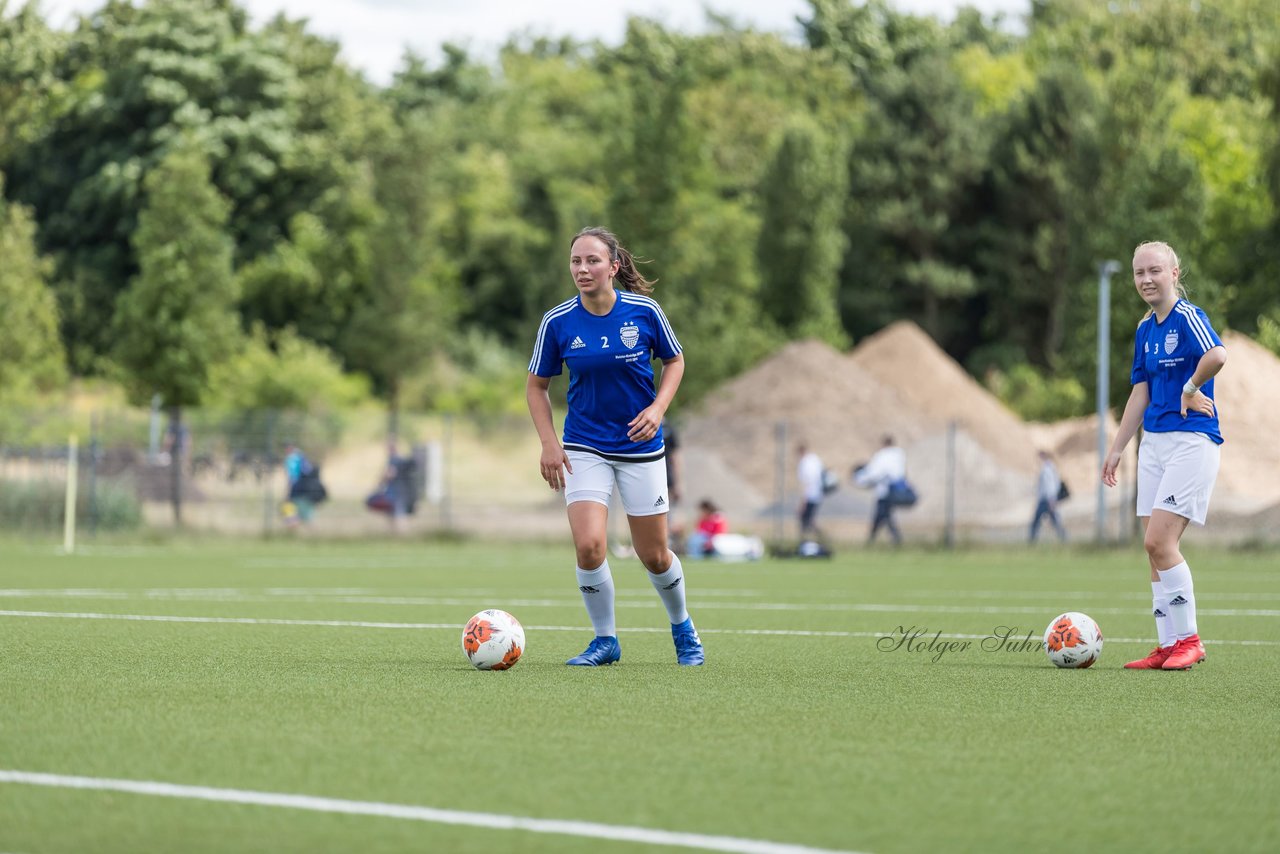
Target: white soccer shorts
643,486
1176,472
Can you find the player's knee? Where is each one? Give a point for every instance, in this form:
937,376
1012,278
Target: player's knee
591,554
656,558
1159,548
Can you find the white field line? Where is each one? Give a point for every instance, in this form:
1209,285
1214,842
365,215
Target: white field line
491,821
644,601
334,562
312,594
1058,595
370,624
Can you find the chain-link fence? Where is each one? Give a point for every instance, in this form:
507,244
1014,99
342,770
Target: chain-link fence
224,472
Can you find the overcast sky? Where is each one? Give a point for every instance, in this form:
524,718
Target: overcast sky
374,33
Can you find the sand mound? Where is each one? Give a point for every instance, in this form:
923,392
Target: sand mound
1248,395
1071,437
900,382
897,382
806,391
903,357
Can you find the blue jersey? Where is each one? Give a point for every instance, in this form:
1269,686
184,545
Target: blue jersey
1165,356
610,362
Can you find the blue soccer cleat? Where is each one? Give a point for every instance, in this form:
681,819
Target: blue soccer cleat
688,644
601,650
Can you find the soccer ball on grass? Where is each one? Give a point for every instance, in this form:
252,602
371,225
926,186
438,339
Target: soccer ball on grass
1073,640
493,640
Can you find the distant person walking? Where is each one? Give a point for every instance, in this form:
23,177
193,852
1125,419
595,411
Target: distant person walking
809,474
613,435
1176,355
1048,494
886,466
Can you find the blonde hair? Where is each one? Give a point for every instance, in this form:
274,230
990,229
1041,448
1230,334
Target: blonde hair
1178,287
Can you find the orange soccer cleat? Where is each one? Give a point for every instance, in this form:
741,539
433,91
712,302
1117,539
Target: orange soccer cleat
1155,659
1186,652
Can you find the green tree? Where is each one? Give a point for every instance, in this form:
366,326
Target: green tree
1084,168
1216,49
914,164
712,294
495,173
654,153
1260,248
31,355
1042,202
280,123
801,244
283,370
409,311
29,90
176,320
743,87
308,262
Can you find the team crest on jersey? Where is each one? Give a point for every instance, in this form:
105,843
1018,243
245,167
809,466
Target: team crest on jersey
630,334
1171,341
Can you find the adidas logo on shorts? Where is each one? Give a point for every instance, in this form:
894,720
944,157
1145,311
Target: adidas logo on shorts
661,502
1170,500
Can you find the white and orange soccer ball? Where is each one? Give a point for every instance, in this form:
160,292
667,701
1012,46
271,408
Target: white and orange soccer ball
1073,640
493,640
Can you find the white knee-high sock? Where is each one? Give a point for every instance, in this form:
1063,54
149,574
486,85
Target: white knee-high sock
1182,599
670,587
597,594
1160,608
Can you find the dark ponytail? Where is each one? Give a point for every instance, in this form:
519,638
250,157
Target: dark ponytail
628,276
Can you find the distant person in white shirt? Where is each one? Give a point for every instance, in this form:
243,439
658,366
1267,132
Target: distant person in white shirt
1047,487
809,473
885,466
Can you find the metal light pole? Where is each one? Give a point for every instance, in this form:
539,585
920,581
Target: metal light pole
1106,270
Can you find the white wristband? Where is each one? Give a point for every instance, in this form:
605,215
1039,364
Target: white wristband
1190,388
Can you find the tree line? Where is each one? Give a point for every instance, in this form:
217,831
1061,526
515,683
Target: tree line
221,213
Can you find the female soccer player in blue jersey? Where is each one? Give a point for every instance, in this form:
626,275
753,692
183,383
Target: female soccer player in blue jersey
608,338
1176,355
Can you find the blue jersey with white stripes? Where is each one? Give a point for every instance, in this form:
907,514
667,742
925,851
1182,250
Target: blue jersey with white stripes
1165,356
610,361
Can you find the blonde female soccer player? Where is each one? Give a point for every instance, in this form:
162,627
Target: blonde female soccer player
1176,355
608,337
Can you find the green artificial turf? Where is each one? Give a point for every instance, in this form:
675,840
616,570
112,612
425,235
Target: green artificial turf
810,724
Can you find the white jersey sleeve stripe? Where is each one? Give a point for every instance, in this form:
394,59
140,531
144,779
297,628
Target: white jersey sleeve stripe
663,323
551,315
1196,325
542,332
